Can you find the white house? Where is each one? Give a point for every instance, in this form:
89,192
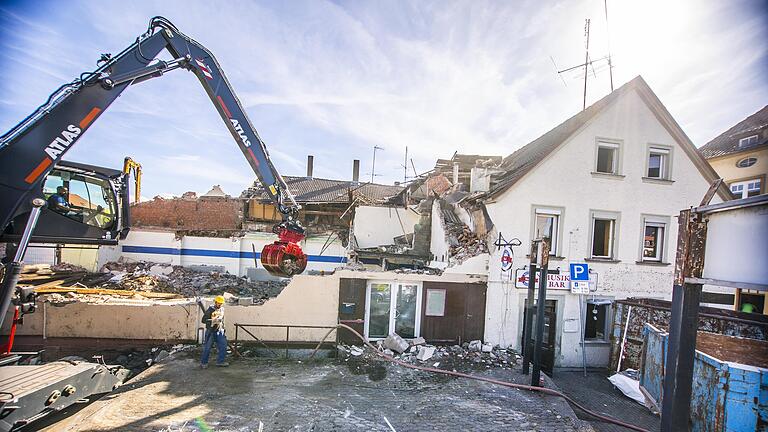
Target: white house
606,185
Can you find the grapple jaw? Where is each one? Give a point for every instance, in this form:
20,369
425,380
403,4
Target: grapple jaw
284,258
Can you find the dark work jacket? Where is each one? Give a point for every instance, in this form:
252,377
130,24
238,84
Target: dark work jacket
207,317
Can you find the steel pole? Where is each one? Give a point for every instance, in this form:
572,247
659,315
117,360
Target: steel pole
536,374
13,269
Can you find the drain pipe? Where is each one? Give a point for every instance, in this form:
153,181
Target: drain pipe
544,390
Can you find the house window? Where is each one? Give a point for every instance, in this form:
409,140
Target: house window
607,158
746,189
748,141
547,224
658,163
596,320
435,302
653,241
746,162
604,235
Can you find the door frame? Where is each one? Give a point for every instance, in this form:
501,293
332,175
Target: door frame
393,284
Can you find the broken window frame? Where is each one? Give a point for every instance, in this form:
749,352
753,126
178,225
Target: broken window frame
664,153
394,289
614,218
616,148
556,213
592,304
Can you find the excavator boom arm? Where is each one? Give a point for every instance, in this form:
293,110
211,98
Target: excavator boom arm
31,149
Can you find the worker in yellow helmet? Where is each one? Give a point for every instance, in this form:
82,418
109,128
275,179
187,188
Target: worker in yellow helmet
213,318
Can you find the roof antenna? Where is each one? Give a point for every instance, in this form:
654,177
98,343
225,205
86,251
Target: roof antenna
608,38
588,62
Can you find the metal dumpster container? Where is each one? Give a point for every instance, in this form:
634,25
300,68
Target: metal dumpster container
727,396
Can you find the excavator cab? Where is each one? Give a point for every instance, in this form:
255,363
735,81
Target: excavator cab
85,204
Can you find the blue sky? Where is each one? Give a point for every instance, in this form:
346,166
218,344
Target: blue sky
333,79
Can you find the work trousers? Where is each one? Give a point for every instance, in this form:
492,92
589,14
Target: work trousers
221,346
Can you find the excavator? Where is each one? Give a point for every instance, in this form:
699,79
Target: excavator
38,192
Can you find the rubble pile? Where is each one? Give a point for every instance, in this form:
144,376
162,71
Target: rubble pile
140,280
469,356
188,281
463,242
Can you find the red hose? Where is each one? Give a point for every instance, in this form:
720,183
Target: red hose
479,378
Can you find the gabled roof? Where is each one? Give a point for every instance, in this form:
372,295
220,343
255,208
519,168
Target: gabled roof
525,159
318,190
728,142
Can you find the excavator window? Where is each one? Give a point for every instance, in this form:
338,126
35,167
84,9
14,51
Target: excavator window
86,199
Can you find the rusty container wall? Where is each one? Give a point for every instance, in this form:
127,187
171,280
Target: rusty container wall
654,356
726,396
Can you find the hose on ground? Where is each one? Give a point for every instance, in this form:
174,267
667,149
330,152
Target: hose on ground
544,390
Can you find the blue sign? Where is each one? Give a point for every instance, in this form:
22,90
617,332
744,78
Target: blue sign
579,272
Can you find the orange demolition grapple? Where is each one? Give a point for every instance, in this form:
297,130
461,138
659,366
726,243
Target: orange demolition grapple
284,257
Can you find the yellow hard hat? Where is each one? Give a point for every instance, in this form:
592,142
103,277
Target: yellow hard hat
219,300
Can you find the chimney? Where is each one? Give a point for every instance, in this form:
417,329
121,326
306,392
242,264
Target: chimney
356,171
455,172
310,163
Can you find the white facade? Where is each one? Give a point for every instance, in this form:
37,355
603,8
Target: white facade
565,186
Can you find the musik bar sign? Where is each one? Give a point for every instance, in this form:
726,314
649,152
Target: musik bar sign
556,281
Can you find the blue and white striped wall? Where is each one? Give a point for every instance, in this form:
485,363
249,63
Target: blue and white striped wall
236,254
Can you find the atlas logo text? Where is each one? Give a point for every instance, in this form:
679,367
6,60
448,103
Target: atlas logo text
60,144
240,132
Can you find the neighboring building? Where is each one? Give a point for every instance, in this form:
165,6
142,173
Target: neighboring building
214,212
327,205
606,186
740,155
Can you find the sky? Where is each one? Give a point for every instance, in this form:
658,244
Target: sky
335,79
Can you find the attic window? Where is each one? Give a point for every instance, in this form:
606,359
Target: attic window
748,141
746,162
607,158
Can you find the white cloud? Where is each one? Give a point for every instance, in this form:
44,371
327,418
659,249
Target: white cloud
334,80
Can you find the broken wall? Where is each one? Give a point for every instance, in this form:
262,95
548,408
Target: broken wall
189,214
234,254
376,226
307,300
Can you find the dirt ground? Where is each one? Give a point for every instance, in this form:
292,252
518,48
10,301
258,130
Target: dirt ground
327,395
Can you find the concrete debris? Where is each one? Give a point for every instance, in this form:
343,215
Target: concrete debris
425,352
475,345
356,350
418,341
486,348
396,343
188,282
454,357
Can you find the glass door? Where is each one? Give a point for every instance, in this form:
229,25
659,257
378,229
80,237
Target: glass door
379,305
393,308
406,311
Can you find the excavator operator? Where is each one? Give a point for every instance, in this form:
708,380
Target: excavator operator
59,202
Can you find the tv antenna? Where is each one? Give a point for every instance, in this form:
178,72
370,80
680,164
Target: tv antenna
588,62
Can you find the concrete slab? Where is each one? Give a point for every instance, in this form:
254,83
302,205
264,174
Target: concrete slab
318,396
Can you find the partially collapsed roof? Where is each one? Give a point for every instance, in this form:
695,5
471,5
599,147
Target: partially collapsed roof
522,161
318,190
728,142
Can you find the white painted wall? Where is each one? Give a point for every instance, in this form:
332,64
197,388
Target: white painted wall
375,226
563,179
307,300
438,243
